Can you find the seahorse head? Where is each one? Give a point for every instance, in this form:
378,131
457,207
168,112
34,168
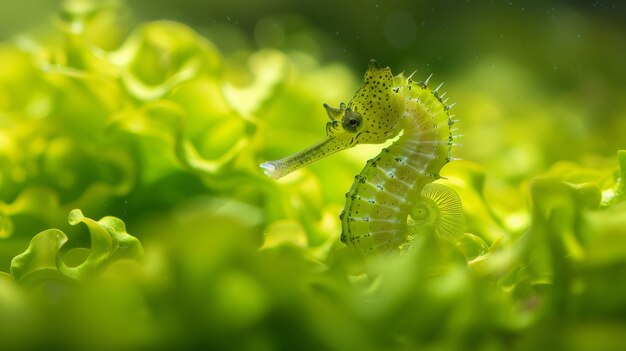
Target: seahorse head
370,117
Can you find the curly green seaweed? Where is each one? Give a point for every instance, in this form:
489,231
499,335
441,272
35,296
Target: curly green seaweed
42,259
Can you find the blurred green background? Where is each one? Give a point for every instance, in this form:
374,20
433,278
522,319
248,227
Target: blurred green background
133,213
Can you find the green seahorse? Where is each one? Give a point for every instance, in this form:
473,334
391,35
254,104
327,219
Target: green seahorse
393,198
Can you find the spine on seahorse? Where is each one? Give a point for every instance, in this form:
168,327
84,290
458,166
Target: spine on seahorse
388,188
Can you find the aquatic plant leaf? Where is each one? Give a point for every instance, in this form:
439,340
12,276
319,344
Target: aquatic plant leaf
270,70
42,259
109,242
618,192
160,55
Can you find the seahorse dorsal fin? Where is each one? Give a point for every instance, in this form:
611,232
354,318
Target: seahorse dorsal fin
449,223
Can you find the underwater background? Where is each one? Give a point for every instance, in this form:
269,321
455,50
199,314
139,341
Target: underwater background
134,213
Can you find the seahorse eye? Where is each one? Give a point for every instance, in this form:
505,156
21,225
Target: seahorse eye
351,121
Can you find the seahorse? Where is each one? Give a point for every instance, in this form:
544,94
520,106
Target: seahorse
393,199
